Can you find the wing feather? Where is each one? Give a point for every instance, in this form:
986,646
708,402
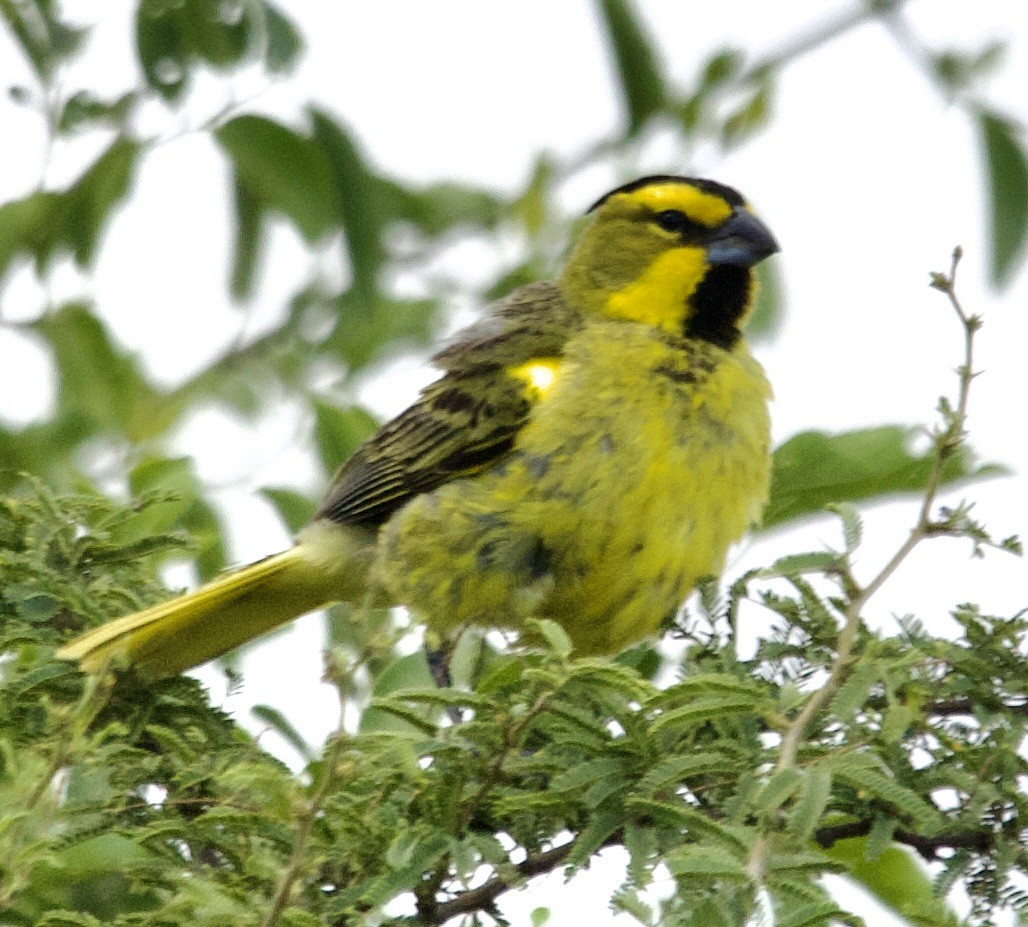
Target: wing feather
463,422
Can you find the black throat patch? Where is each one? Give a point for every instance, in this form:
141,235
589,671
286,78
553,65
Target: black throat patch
719,303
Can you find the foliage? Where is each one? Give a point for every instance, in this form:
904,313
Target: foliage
118,801
834,747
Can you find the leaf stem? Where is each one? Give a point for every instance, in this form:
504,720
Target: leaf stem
305,824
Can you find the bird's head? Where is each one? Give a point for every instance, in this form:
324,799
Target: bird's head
673,252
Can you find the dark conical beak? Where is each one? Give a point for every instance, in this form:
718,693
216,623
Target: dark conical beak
743,241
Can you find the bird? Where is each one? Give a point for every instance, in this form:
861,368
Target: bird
590,450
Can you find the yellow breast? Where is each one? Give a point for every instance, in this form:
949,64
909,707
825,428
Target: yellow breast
646,459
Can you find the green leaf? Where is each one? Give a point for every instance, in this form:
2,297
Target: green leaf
27,227
202,524
250,228
442,206
89,203
711,708
283,42
701,684
162,47
389,713
897,879
1007,179
578,777
768,313
898,717
877,784
815,915
183,506
671,772
32,605
796,863
219,31
879,839
503,674
100,387
697,824
852,526
171,486
44,223
795,565
750,118
432,694
557,639
720,68
84,110
778,790
814,469
706,863
294,508
815,791
593,837
641,78
43,38
364,328
338,432
283,171
852,694
534,206
279,723
360,210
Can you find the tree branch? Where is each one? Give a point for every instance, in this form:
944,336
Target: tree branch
928,847
482,897
477,899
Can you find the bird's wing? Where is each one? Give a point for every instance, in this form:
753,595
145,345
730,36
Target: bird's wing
464,421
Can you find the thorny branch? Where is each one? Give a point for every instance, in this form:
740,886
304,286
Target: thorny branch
340,676
947,440
305,824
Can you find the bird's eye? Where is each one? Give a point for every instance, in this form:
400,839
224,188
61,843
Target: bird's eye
674,220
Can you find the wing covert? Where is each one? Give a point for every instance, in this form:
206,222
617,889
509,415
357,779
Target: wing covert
463,422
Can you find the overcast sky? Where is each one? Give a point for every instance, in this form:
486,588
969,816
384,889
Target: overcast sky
866,177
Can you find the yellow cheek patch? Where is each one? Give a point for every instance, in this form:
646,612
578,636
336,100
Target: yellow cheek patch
706,208
660,295
539,375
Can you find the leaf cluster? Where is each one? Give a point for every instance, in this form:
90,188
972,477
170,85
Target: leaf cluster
119,801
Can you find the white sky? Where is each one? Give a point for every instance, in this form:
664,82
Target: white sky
866,177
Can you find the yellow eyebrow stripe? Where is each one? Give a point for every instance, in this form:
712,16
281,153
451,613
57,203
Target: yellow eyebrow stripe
706,208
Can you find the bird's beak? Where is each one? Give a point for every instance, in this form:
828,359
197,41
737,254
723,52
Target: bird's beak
742,241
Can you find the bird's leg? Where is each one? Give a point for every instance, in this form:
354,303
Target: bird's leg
438,658
438,653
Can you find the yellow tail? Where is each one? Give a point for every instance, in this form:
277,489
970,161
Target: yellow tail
196,627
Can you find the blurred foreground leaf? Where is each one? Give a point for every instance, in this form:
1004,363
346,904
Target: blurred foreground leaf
769,307
814,469
50,222
283,170
358,208
339,432
640,76
1007,181
294,508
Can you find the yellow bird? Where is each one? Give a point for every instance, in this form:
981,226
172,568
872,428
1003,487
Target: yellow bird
589,452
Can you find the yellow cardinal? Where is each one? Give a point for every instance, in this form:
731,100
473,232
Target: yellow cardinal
591,449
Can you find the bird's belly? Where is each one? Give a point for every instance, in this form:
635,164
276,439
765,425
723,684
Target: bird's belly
602,519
